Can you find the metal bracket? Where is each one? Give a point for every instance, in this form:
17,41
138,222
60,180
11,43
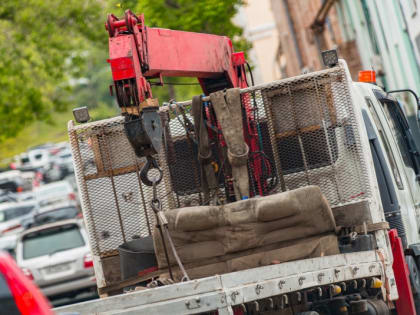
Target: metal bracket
153,126
193,303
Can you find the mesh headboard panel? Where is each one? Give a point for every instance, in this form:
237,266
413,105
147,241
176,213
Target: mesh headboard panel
308,128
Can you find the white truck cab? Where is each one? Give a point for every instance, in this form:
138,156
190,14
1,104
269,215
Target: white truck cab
396,158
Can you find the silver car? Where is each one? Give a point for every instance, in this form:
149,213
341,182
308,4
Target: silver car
14,214
57,257
55,193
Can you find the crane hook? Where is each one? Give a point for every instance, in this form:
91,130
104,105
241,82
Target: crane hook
150,164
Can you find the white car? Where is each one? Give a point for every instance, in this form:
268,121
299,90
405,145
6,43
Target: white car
34,159
57,257
65,160
13,181
14,214
55,193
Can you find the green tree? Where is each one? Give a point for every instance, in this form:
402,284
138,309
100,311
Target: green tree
53,53
43,48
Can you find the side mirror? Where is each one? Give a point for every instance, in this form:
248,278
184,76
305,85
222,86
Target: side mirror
415,96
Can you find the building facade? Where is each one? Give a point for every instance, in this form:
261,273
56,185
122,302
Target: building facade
381,31
288,36
306,28
257,20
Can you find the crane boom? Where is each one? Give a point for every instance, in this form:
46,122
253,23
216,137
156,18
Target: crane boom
138,53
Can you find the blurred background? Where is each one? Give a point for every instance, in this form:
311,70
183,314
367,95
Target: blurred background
53,58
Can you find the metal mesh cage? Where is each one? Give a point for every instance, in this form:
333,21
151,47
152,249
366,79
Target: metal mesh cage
309,129
307,126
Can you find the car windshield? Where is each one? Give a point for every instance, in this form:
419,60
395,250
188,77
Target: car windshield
13,213
57,214
51,241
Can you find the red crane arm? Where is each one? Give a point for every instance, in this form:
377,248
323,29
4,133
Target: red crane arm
138,53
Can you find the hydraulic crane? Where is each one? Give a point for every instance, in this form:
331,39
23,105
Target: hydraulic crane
138,53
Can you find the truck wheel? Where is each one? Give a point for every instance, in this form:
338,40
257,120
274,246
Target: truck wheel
414,280
414,275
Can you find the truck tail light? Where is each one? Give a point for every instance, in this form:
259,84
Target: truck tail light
87,261
28,273
19,189
72,196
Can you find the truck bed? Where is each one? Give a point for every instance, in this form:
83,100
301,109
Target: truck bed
221,292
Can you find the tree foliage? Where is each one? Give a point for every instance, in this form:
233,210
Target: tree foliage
43,47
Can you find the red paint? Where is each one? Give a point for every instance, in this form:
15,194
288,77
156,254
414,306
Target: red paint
28,297
122,68
146,271
146,53
142,53
405,303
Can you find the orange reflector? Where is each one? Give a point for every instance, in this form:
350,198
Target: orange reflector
368,76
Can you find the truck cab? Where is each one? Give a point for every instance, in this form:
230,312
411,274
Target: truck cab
394,147
396,158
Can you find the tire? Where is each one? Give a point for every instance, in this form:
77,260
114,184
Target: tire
414,280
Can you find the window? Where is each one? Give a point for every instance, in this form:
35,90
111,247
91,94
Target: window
386,187
386,145
403,135
57,214
401,131
14,213
53,240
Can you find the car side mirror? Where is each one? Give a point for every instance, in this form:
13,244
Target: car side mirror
415,96
418,111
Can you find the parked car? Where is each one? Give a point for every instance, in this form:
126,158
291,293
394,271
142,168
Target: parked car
65,160
12,181
19,295
29,178
7,196
34,159
54,213
55,193
8,244
14,214
57,257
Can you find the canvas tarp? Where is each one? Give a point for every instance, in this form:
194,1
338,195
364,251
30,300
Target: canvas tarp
250,233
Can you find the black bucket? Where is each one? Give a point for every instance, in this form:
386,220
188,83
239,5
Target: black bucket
136,256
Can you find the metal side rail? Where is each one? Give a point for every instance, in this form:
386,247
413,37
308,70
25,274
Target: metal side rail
220,292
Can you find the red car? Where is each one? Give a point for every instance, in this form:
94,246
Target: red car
18,294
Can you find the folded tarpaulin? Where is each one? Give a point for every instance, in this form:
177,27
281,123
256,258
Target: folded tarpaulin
205,234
